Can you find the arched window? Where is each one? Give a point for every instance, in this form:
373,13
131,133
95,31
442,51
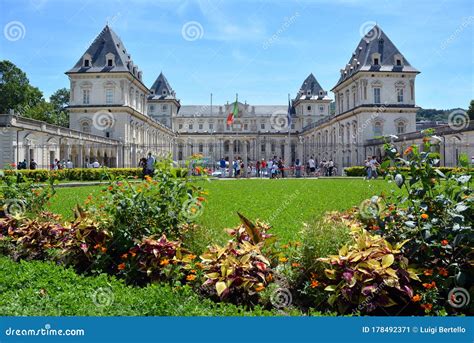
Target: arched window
401,127
86,127
378,129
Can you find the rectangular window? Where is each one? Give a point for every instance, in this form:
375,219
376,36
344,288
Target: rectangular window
400,95
246,126
85,96
262,148
180,126
164,107
211,126
262,126
200,126
321,109
377,95
190,126
109,96
110,63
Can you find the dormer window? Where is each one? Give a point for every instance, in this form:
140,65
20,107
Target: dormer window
110,59
164,92
308,92
376,59
87,61
399,62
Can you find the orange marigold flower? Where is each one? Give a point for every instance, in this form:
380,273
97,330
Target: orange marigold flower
430,285
416,298
443,272
427,307
375,227
191,277
259,288
296,265
103,249
121,266
133,253
283,259
444,242
408,150
164,262
191,256
428,272
269,277
97,246
201,199
314,283
110,188
124,256
424,216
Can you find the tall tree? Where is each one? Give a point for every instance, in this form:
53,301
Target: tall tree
60,100
470,111
15,88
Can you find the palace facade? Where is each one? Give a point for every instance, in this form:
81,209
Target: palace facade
116,119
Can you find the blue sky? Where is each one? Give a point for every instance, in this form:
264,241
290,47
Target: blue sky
262,50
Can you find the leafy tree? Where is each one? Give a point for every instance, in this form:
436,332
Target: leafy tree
470,111
60,100
16,90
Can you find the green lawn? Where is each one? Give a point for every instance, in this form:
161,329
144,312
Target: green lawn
285,204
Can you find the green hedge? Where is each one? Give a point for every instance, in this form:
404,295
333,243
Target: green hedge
84,174
360,170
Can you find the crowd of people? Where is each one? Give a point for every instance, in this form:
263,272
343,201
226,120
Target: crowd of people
148,165
275,168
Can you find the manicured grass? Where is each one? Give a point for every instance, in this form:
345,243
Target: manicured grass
285,204
44,289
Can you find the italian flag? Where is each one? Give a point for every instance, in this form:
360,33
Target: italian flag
232,115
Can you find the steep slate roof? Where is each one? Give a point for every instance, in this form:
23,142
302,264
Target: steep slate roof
361,60
161,84
311,84
106,42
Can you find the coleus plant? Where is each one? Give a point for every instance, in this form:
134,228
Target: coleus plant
369,273
238,271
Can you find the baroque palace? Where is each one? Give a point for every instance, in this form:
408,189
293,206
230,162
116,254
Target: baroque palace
116,119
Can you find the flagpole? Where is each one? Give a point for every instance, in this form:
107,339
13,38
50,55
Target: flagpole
289,129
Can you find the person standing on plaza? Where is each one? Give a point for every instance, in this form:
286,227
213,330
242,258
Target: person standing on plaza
150,164
69,164
263,167
33,164
257,168
330,167
270,168
312,166
297,168
222,165
373,167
